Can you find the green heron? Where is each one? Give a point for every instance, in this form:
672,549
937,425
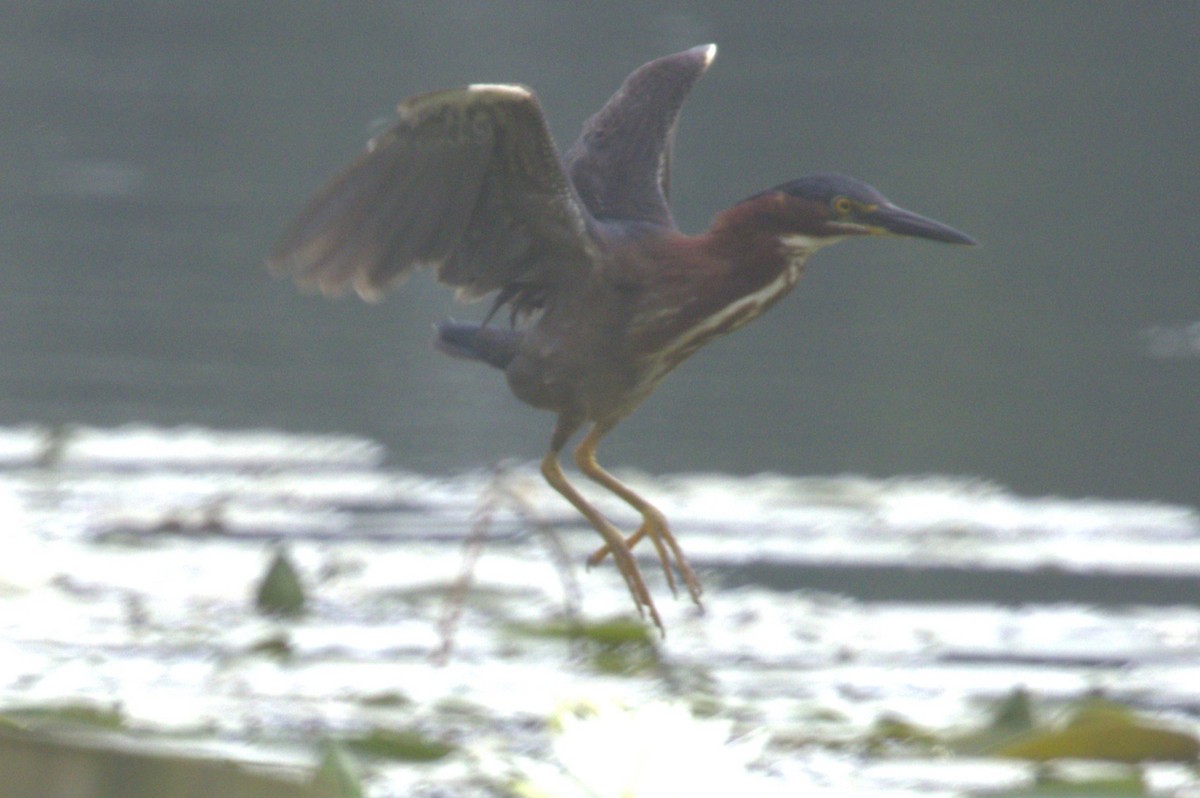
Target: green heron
604,294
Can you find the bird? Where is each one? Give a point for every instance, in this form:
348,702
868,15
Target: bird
603,292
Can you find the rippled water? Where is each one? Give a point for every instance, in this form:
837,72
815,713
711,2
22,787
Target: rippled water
131,557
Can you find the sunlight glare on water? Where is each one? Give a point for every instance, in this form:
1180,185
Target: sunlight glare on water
132,555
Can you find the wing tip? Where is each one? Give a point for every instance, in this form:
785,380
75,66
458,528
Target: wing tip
501,88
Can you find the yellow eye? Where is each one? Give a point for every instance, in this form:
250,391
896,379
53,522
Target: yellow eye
842,206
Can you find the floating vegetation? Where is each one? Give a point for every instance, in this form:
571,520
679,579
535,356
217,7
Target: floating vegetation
276,644
1094,728
152,644
70,713
1104,730
280,592
619,645
68,764
337,774
892,731
393,699
404,745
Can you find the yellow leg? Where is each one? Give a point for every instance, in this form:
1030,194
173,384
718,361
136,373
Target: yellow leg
613,540
654,523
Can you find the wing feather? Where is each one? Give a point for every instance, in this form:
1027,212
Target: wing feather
620,164
467,180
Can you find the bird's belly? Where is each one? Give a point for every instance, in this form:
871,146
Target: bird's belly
536,379
584,377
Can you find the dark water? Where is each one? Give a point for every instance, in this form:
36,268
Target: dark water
153,151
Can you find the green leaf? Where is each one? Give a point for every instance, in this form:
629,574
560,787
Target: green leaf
405,745
1101,729
280,592
337,774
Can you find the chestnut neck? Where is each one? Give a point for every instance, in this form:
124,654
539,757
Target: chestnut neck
761,238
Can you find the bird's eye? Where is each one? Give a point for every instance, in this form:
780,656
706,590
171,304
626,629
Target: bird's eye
842,206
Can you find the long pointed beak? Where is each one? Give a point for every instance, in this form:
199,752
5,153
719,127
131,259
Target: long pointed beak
897,221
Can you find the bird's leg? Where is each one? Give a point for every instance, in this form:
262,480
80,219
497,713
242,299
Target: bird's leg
613,539
654,523
502,296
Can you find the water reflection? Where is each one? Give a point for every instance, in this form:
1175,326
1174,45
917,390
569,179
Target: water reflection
132,555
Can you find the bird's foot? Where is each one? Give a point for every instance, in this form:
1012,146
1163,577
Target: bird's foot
667,548
632,575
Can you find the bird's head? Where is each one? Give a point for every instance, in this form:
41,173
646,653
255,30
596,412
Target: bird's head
823,208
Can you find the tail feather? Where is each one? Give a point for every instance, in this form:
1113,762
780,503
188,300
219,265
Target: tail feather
494,346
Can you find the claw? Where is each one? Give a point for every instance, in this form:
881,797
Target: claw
663,540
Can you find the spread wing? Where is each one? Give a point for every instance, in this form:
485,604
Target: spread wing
468,181
621,162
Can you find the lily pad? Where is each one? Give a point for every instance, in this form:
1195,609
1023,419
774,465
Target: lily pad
1101,729
337,774
618,645
281,592
405,745
71,713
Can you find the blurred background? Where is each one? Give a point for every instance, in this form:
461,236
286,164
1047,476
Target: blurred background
153,152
